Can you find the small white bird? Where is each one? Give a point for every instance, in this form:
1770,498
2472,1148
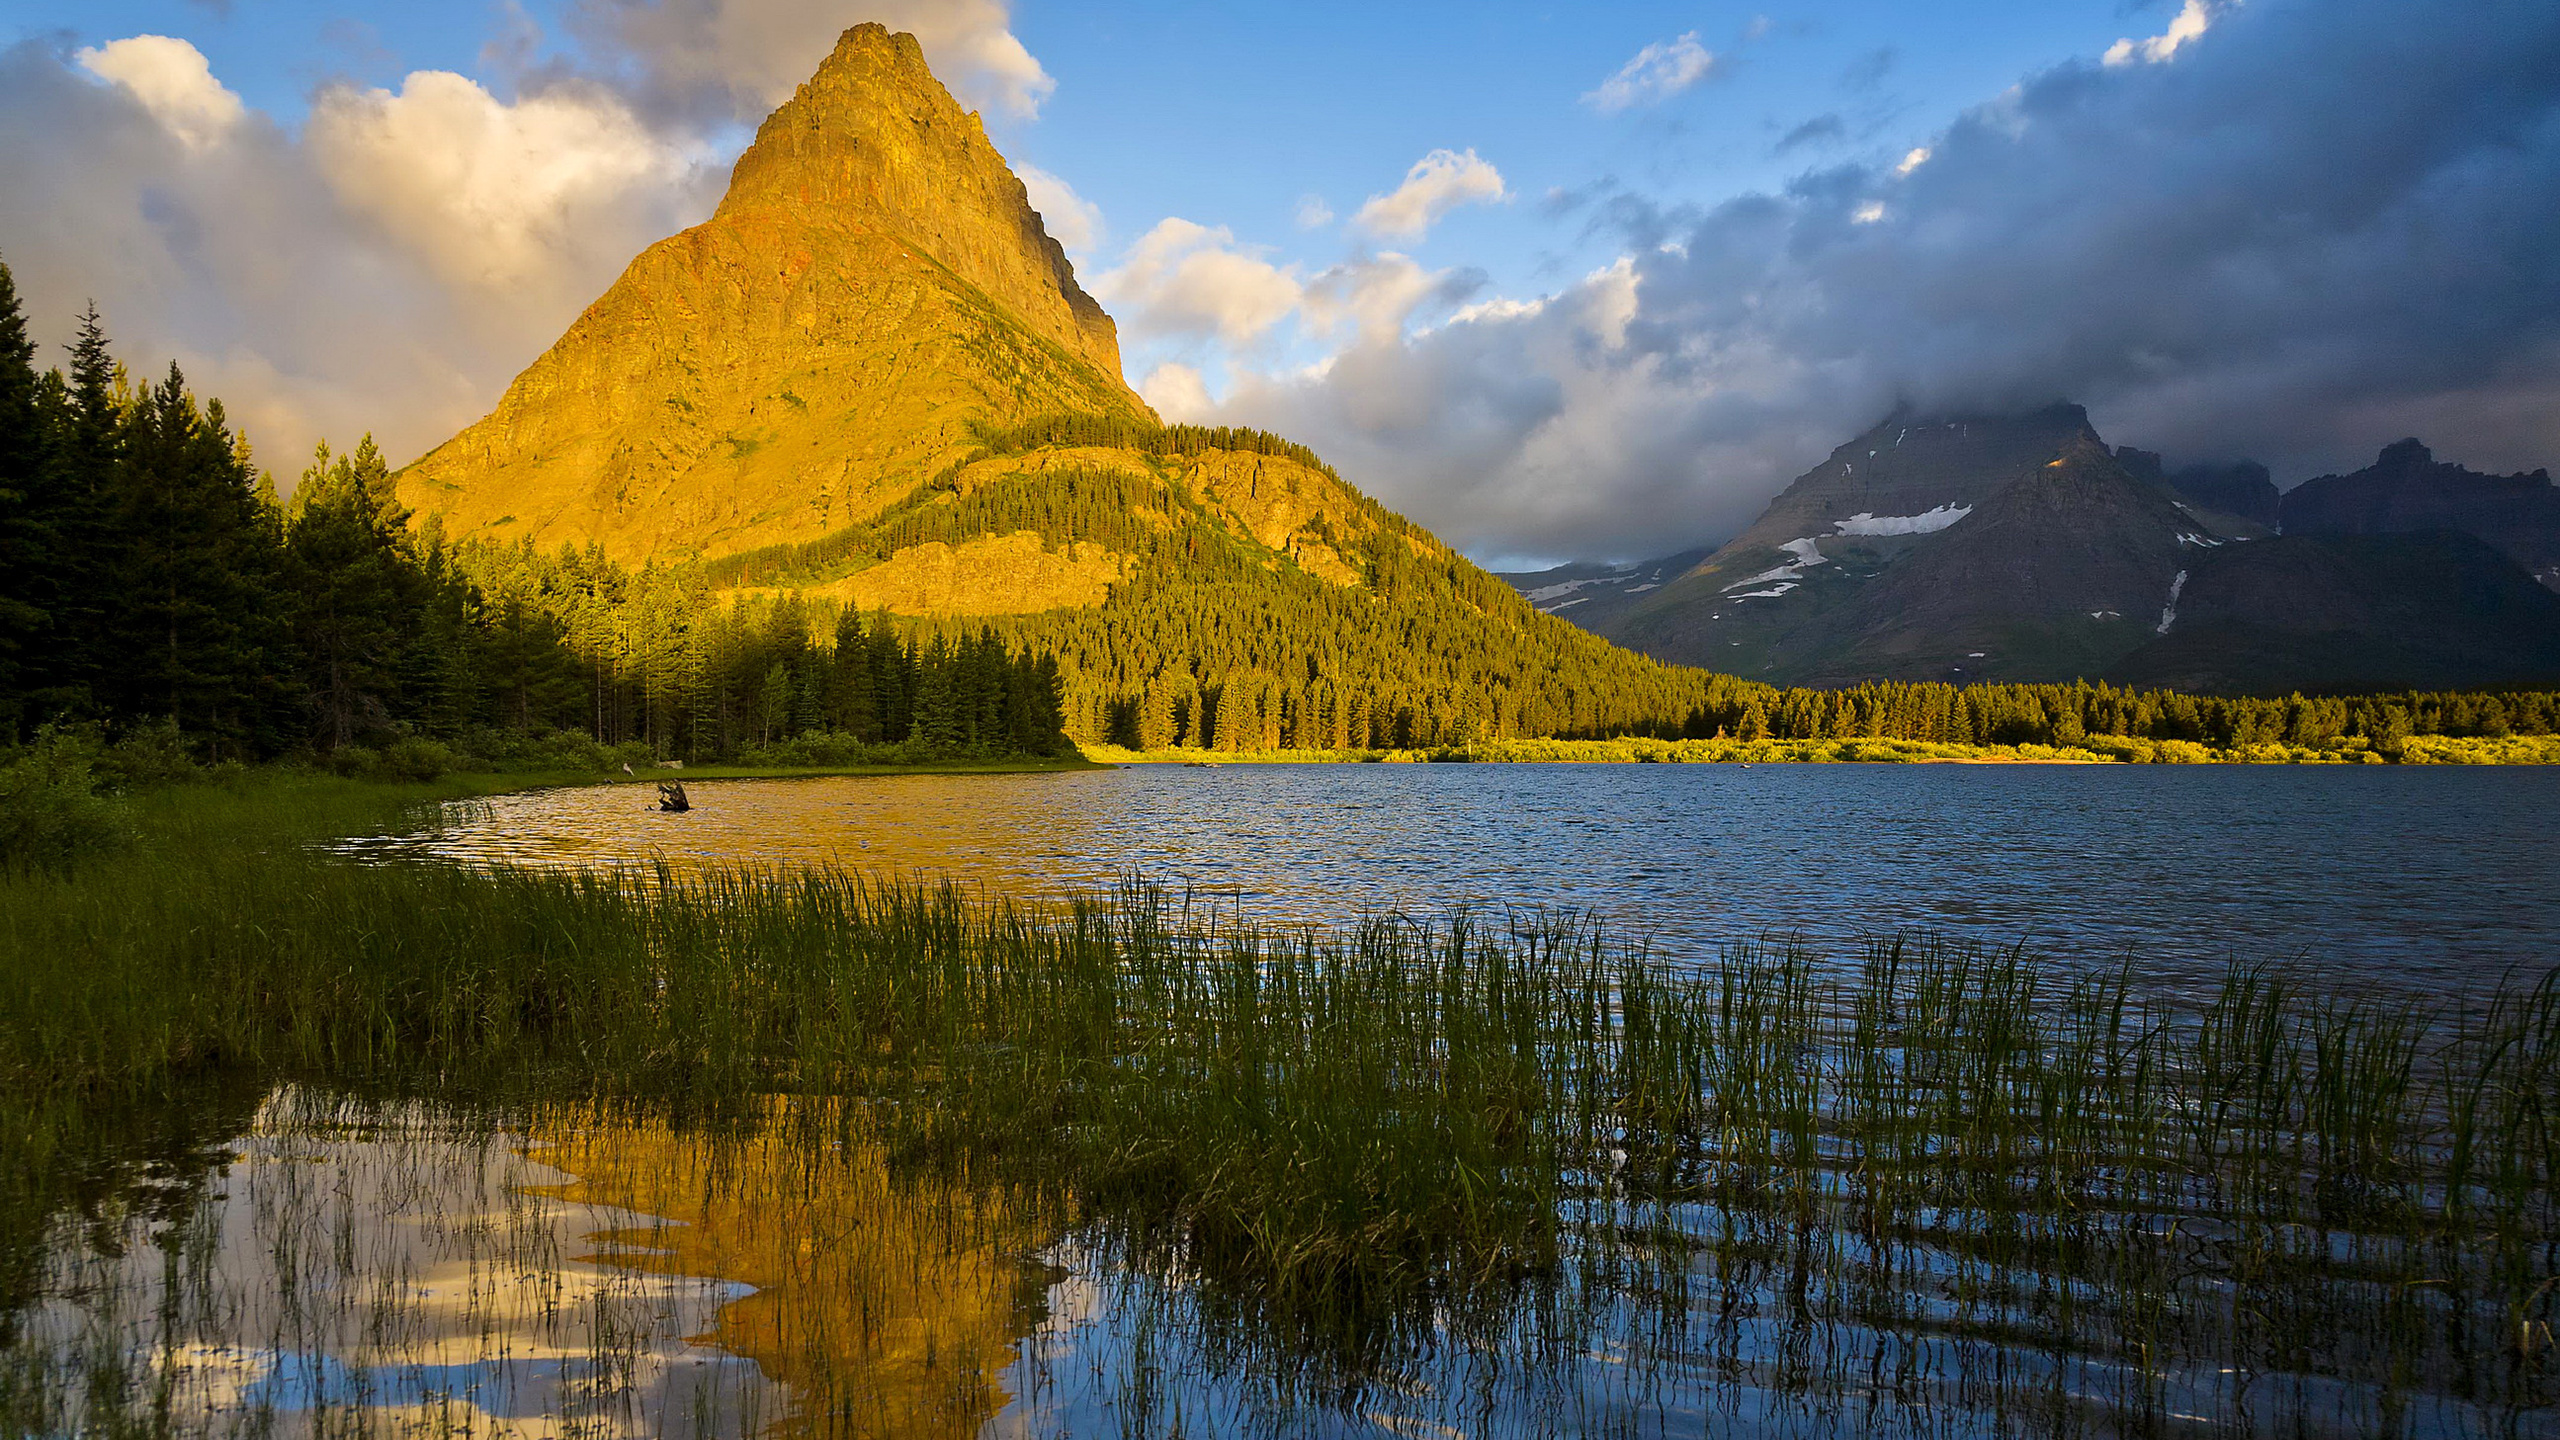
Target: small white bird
626,769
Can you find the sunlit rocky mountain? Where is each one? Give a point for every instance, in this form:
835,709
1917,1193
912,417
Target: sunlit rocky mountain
872,378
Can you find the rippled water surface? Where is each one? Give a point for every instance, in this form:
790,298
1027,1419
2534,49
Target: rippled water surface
2425,875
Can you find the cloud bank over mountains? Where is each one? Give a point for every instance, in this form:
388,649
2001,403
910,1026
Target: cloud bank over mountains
2282,229
2289,230
701,60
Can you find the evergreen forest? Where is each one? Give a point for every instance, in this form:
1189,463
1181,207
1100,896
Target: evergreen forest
151,578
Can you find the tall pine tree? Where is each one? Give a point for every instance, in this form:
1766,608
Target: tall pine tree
200,626
26,541
359,602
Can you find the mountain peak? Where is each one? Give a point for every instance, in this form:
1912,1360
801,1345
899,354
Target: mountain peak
2410,454
873,139
874,291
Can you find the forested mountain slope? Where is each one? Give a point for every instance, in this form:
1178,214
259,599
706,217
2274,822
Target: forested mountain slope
871,379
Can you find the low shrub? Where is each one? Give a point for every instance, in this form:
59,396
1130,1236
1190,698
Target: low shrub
51,814
834,750
417,760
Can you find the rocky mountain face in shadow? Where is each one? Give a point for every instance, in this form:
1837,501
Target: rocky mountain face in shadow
1595,595
2236,495
2022,548
2408,489
2432,610
1935,547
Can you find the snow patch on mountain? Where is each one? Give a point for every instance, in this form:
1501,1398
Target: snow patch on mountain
1928,522
2169,612
1807,553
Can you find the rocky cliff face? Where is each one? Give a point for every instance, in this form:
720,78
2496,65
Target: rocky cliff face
873,139
2240,494
2408,489
1939,548
2424,611
873,289
2022,548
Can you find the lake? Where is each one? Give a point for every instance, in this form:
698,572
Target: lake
1927,1213
2433,876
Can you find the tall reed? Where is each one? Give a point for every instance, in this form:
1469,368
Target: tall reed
1350,1141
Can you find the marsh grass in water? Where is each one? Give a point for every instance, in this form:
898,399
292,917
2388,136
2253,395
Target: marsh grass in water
1400,1169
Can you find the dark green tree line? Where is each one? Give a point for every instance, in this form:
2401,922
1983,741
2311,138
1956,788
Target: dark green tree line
149,577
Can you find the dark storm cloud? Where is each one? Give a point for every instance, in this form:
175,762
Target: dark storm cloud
2312,230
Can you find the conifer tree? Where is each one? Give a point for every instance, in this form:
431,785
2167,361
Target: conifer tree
854,704
69,501
358,600
936,722
27,542
893,682
200,636
1156,715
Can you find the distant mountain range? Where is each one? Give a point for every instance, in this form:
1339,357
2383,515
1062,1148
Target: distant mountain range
2023,548
2409,489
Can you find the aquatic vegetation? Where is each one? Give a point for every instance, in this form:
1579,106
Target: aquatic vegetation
1408,1166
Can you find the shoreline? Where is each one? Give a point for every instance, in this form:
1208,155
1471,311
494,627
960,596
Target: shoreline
511,781
2096,750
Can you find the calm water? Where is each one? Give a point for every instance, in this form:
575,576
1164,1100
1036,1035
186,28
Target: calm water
2433,876
345,1265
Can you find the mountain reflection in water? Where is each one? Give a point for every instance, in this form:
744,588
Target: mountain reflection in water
881,1306
358,1267
362,1268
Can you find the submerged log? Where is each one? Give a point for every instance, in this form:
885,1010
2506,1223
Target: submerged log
671,797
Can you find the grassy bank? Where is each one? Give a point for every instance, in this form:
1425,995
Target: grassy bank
1345,1140
2097,749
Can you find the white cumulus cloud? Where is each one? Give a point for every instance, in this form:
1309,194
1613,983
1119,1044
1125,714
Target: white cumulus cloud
1373,298
1658,72
173,81
1177,392
744,57
1437,184
490,194
1183,278
1071,220
2192,20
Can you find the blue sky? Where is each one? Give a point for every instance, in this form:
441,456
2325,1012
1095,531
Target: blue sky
2205,219
1234,114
